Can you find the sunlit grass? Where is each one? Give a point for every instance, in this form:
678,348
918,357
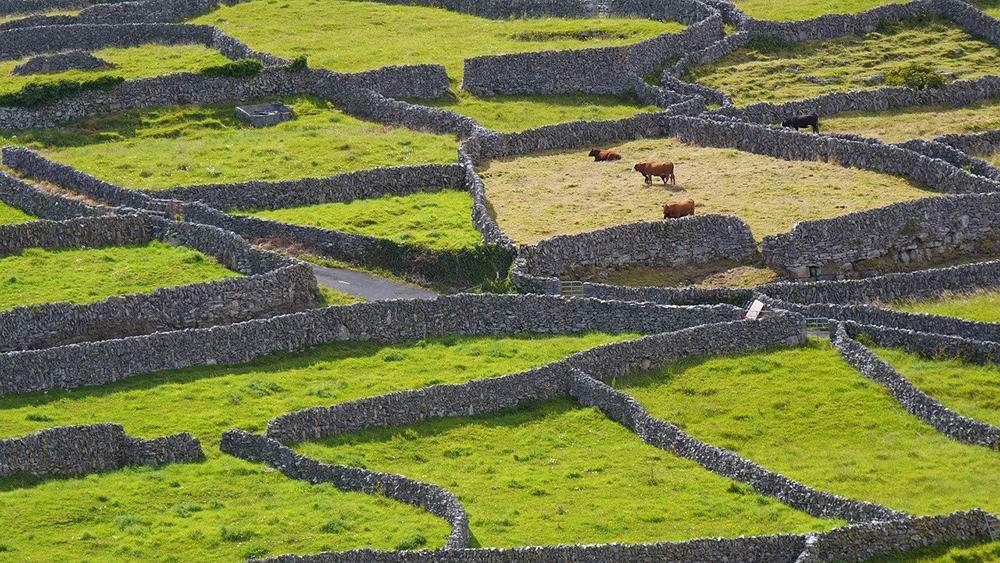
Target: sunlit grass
9,215
982,305
916,122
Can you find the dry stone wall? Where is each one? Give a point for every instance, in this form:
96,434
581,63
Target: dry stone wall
78,450
60,62
375,182
928,345
41,204
273,284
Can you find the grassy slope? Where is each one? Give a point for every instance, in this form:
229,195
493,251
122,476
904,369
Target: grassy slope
516,113
340,39
902,124
130,63
968,389
282,515
557,473
778,74
545,194
333,298
978,306
86,275
805,9
438,220
807,414
164,147
9,215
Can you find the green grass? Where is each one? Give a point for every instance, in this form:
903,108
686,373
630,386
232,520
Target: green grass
179,501
332,297
550,193
39,275
163,147
807,414
223,509
913,122
948,552
348,36
9,215
775,72
13,17
983,305
439,220
804,9
510,113
130,63
554,472
968,389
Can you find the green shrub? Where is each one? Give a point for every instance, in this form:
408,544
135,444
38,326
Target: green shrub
298,64
37,94
415,542
914,75
243,68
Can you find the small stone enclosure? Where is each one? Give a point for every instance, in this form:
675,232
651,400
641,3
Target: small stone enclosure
264,115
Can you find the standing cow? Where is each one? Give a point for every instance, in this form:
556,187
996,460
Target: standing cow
678,210
662,169
800,121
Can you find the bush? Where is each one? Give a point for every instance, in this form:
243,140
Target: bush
298,64
243,68
914,75
40,93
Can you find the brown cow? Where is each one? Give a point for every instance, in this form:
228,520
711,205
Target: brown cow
678,210
662,169
600,155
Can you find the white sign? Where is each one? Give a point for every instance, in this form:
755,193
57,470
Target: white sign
755,308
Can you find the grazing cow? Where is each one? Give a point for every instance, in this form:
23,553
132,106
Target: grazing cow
662,169
678,210
800,121
600,155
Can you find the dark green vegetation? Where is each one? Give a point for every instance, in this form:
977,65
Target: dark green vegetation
439,220
243,68
983,305
163,147
775,71
85,275
969,389
10,215
35,94
554,472
914,75
223,508
807,414
130,63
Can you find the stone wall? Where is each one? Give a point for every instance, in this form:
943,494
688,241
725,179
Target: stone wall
363,184
903,232
927,345
953,156
434,499
847,543
60,62
915,401
660,244
78,450
982,143
273,284
96,363
41,204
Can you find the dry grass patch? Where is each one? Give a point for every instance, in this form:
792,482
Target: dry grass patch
916,122
563,192
714,274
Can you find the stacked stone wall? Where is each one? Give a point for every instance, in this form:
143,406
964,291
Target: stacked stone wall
78,450
927,345
41,204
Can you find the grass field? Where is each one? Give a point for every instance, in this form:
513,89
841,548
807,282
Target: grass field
968,389
554,472
12,17
9,215
807,414
982,305
805,9
517,113
333,298
439,220
130,63
349,36
773,71
182,508
563,192
916,122
163,147
85,275
718,273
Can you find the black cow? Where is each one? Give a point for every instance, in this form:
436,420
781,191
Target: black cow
800,121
